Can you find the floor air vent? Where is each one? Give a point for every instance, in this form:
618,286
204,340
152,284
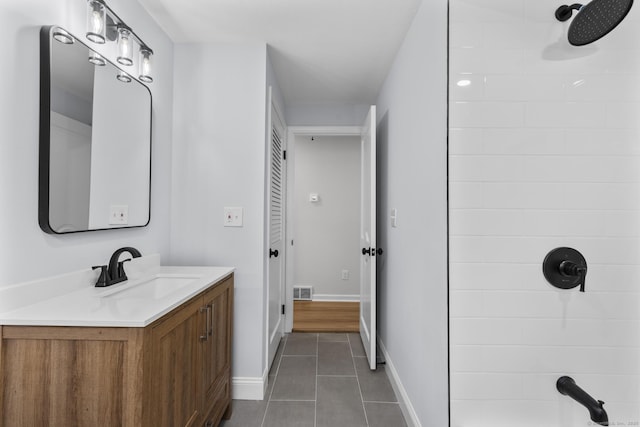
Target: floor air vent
302,293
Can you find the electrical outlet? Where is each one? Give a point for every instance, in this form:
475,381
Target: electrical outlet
345,274
118,214
233,217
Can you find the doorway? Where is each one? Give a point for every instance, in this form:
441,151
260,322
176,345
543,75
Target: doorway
366,250
324,211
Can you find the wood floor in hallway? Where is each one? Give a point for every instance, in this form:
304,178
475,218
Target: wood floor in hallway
326,316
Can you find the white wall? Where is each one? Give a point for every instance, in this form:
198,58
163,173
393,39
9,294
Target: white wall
326,115
327,232
544,146
412,178
25,251
218,161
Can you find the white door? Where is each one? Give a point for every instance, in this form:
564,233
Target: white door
368,238
276,233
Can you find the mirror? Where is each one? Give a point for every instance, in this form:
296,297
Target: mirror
95,140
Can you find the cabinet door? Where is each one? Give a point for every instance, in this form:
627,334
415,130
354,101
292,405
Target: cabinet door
69,376
217,353
175,377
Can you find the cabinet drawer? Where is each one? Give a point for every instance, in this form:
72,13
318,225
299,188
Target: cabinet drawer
220,404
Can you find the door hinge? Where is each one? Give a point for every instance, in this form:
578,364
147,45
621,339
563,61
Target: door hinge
282,308
284,154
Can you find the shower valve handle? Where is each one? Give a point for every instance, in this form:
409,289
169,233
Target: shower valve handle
571,269
565,268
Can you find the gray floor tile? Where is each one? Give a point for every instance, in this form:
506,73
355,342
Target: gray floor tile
330,336
384,414
375,385
296,379
301,335
356,345
321,389
339,403
290,414
334,358
301,345
246,413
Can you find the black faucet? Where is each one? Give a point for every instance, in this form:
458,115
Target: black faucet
568,387
114,272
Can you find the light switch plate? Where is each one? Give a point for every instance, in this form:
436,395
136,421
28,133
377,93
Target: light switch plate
118,214
232,217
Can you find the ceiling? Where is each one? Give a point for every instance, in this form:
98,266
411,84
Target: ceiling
324,52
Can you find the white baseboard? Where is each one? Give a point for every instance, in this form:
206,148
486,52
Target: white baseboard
406,407
249,388
336,298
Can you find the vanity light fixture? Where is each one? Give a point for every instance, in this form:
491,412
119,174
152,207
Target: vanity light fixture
104,25
96,21
62,36
145,64
96,59
125,48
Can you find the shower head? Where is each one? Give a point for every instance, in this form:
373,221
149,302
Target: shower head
593,20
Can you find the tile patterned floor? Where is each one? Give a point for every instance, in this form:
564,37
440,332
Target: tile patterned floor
321,380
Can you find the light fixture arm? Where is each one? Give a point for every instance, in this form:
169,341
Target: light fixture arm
114,21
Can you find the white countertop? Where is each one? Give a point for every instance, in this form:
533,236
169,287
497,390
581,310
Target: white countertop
131,303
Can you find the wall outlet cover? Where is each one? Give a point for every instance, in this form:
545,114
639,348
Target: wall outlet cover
233,217
394,218
118,214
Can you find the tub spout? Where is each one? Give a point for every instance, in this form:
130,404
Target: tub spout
568,387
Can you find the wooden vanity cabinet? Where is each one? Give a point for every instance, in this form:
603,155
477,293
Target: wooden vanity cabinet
174,372
216,371
190,384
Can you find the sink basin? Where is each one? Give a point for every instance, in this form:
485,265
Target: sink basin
155,287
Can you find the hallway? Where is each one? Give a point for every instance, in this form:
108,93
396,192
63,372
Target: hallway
321,380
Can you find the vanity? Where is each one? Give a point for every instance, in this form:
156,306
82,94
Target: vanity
154,350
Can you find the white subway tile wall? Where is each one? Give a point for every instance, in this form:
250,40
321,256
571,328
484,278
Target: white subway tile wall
544,151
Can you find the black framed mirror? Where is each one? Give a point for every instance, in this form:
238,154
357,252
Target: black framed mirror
95,140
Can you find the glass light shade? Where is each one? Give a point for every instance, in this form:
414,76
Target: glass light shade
96,59
62,36
125,46
123,77
145,64
96,21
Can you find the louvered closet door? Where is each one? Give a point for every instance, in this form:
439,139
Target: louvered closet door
276,233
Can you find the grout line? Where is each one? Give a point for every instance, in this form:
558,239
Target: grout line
315,406
364,410
298,355
350,346
337,375
283,343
